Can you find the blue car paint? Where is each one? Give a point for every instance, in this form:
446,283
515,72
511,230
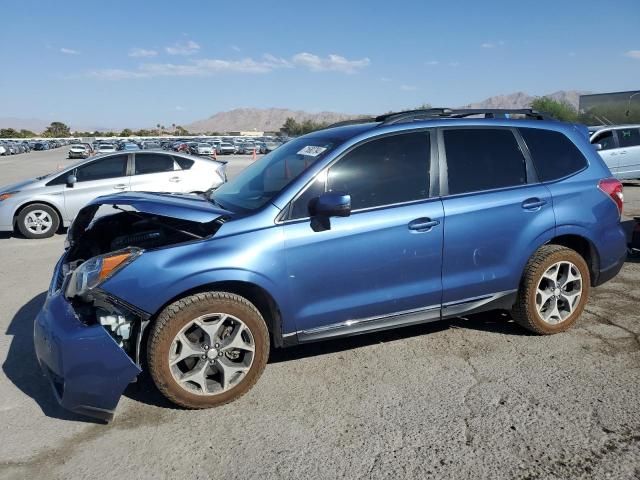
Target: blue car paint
188,207
367,265
87,369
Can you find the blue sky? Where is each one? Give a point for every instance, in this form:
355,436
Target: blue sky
134,63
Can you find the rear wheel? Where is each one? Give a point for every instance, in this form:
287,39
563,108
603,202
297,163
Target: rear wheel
553,291
207,349
38,221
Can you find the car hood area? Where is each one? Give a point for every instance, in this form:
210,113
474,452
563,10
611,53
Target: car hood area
141,220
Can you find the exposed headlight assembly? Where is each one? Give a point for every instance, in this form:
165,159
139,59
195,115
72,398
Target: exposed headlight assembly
96,270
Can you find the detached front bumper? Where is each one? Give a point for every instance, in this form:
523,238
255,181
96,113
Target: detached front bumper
87,369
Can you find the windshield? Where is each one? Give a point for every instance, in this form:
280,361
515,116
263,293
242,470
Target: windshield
261,181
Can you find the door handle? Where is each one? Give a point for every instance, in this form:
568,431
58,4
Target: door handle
120,186
174,179
423,224
533,204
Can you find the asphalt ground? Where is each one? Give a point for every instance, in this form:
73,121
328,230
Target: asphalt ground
473,397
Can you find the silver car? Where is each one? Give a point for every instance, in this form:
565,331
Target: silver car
620,149
38,207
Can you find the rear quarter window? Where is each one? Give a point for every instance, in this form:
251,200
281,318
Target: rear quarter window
185,163
553,154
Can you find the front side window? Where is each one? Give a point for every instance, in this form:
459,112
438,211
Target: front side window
629,137
553,154
385,171
483,159
153,163
606,140
110,167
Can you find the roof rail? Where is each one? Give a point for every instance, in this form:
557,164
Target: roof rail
430,113
354,121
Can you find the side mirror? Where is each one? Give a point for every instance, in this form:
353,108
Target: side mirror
331,204
71,181
597,146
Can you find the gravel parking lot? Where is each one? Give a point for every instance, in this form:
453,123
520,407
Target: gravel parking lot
474,397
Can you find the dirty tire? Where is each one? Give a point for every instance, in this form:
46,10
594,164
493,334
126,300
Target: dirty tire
175,316
42,209
525,311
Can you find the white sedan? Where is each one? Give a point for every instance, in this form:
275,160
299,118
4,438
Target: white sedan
38,207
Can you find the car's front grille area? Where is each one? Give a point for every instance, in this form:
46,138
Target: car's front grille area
59,280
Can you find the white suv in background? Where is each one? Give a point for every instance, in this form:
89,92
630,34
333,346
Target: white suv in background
38,207
620,149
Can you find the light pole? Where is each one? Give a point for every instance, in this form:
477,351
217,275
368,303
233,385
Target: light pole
629,103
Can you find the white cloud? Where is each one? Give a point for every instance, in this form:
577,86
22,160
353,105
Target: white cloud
211,66
142,52
195,68
188,48
333,62
432,62
492,44
633,54
408,88
235,48
69,51
385,79
179,108
454,64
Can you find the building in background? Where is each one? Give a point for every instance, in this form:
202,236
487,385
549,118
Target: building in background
611,108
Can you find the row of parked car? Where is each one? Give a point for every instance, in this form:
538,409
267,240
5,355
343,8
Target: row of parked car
9,147
224,145
200,146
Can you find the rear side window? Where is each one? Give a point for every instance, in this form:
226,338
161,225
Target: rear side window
554,155
629,137
483,159
392,169
185,163
153,163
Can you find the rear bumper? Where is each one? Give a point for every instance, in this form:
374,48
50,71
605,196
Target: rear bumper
608,273
87,370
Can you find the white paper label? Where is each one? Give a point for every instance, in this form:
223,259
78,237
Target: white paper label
311,151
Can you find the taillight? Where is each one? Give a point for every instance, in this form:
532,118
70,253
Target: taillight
613,188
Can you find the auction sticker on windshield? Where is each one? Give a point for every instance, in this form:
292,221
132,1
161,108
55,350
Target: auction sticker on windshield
311,151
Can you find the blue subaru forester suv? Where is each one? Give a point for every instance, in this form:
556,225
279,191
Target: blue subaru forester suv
390,221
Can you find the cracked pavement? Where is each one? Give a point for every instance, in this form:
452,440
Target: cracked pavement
473,397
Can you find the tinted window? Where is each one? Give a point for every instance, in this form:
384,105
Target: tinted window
185,163
554,155
605,139
389,170
153,163
110,167
629,137
483,159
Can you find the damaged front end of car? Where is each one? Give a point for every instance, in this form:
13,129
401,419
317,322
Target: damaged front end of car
89,342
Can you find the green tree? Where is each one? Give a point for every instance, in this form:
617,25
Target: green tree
126,132
560,110
57,130
24,133
181,130
9,133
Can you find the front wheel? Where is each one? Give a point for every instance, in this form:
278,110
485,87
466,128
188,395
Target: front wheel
553,291
207,349
38,221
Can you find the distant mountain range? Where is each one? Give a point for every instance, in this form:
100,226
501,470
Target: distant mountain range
271,119
261,119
